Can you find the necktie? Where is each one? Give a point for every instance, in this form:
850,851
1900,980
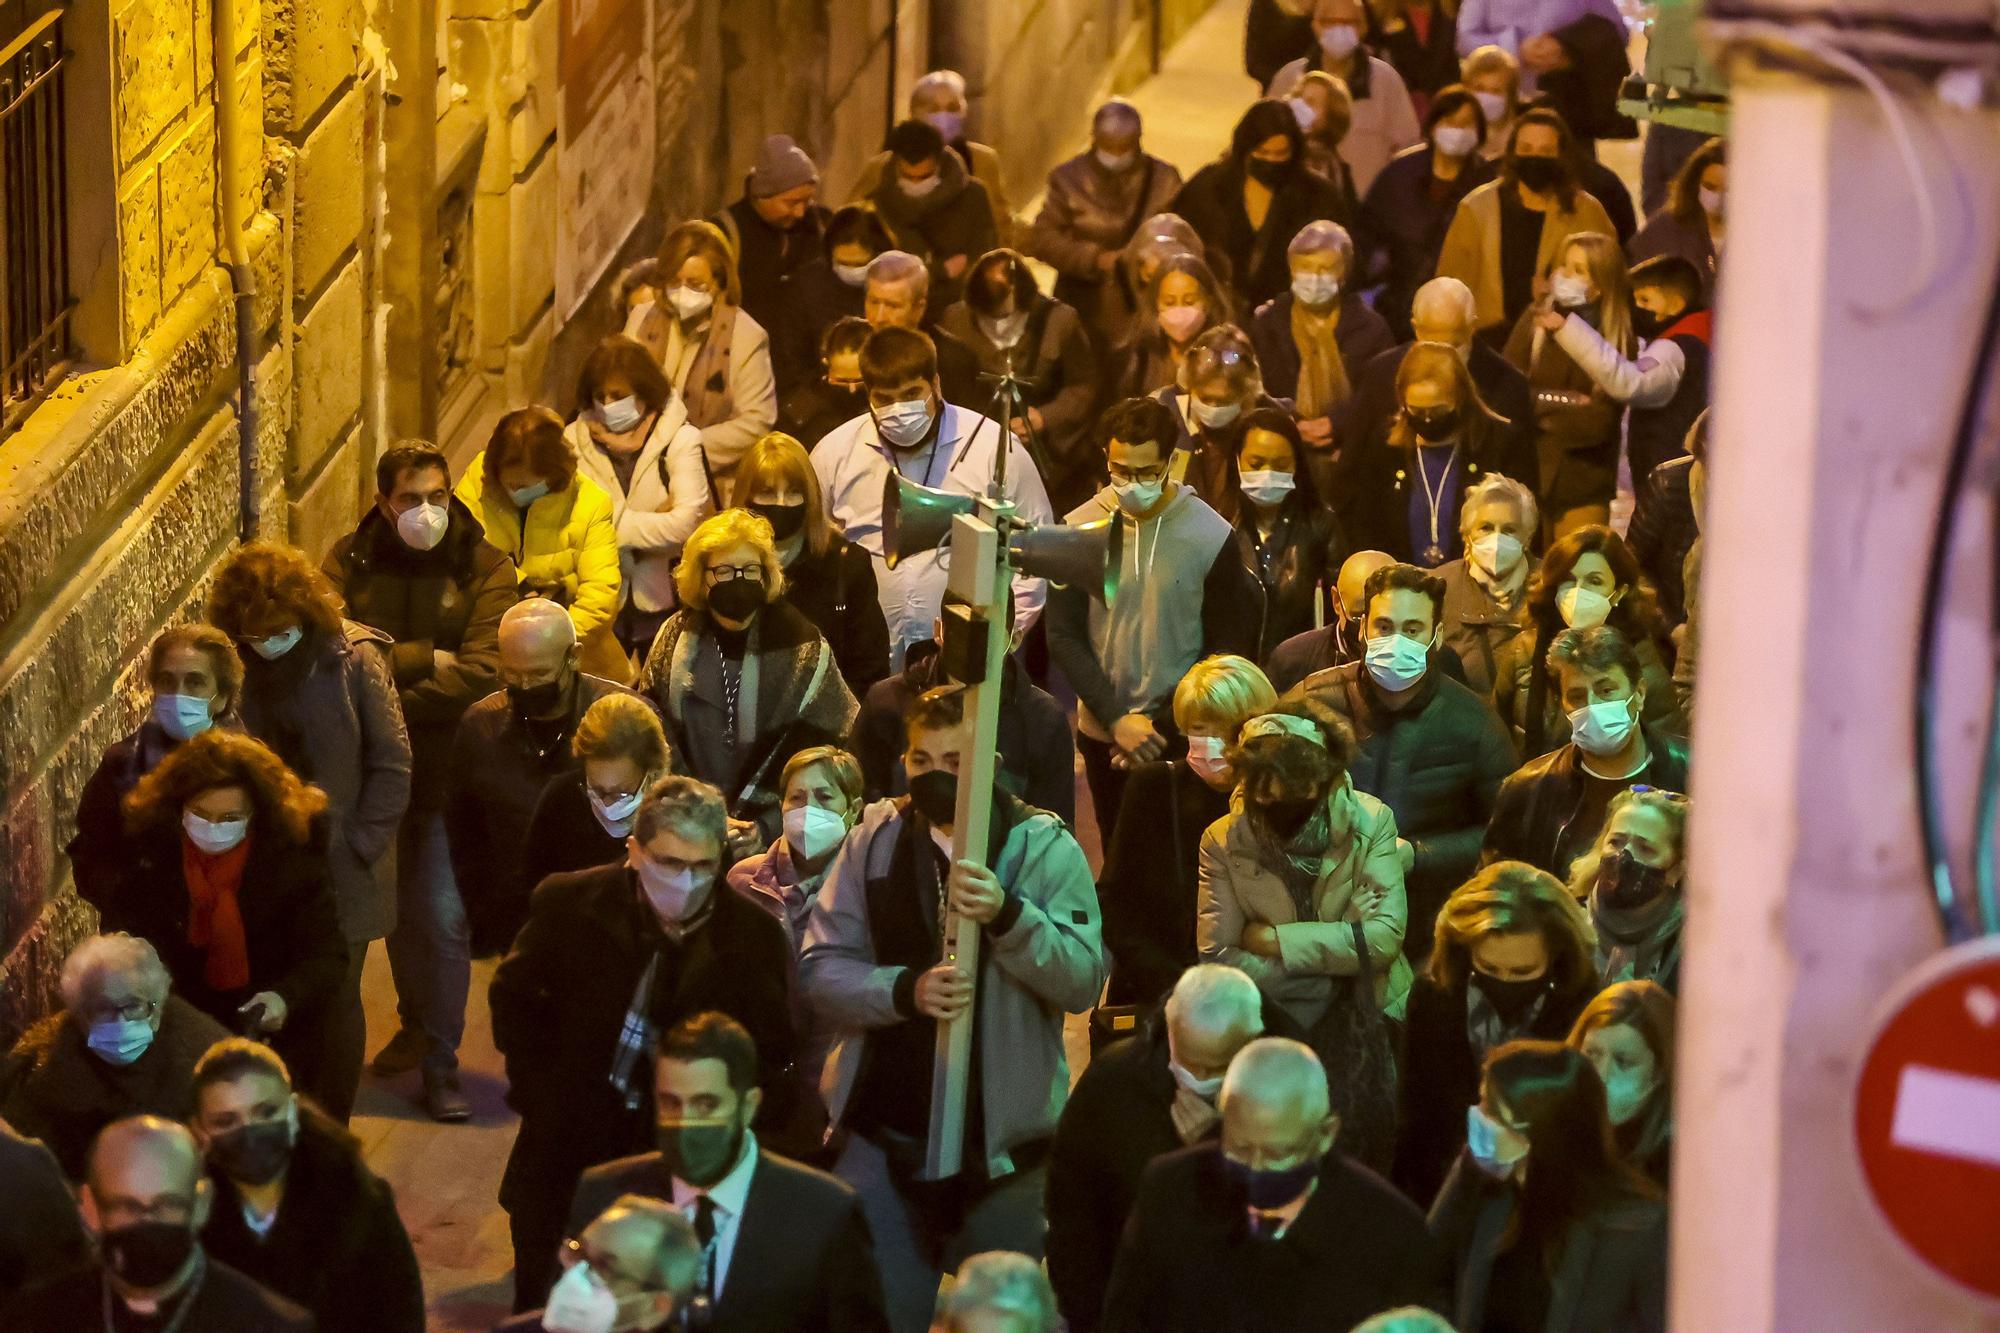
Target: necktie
704,1231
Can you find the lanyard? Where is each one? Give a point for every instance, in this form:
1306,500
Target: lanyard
1435,498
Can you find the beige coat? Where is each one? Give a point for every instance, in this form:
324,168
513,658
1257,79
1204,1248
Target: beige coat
1471,250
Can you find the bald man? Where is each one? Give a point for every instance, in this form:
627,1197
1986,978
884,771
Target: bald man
144,1202
1271,1228
509,746
1337,642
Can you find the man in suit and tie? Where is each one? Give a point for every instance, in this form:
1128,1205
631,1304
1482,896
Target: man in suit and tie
784,1246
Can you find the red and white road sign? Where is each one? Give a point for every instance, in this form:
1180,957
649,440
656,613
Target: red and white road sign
1927,1115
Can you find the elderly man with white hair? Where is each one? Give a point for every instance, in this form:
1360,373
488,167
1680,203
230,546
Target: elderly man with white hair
1144,1097
898,297
1000,1292
1272,1228
121,1046
508,747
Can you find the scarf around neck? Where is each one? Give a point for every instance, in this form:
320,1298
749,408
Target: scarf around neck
215,918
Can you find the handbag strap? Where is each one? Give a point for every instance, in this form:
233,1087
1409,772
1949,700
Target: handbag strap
1364,975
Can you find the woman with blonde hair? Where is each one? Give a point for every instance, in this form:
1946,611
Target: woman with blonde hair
226,876
1512,958
715,355
556,524
1627,1034
1634,881
1148,886
742,680
1494,78
584,816
822,800
828,579
1326,100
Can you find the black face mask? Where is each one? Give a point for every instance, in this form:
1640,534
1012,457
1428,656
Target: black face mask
1622,883
1271,175
1285,818
1432,423
1540,174
253,1154
738,599
702,1154
1510,999
538,701
1647,324
785,520
935,794
146,1254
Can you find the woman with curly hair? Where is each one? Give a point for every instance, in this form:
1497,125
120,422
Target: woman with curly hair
317,690
1588,578
1512,958
1633,880
226,876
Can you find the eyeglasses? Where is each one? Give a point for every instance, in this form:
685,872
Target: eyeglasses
1122,475
731,573
132,1011
1640,789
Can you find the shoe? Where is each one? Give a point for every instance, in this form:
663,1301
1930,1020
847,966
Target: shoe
404,1052
444,1100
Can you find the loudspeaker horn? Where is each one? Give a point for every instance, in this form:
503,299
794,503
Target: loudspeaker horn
1075,555
916,518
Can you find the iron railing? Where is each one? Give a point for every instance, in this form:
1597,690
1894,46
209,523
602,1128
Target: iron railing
34,218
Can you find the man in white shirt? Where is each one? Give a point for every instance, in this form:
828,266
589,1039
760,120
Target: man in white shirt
910,429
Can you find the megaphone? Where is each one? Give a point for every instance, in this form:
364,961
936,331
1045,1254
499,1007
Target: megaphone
1077,555
916,518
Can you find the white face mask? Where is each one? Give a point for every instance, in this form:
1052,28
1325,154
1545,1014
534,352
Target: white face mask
214,838
278,645
1583,608
1569,291
620,414
1397,661
1004,332
854,275
1116,162
1455,141
1215,416
918,189
422,526
182,715
1208,1089
1267,488
1494,105
578,1303
674,894
1711,201
904,425
1205,758
811,831
1315,289
689,303
615,817
1340,40
1136,497
1303,113
1603,727
1498,553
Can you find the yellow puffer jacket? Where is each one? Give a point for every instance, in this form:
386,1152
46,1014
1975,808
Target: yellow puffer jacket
567,549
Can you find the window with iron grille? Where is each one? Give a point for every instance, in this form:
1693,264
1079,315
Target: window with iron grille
34,208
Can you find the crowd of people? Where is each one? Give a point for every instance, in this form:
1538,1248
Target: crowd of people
1379,716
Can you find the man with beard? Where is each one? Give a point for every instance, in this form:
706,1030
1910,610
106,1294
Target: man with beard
783,1246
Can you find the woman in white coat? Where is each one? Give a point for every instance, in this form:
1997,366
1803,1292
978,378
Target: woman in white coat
632,436
716,356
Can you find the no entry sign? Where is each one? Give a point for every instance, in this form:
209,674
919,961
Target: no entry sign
1927,1115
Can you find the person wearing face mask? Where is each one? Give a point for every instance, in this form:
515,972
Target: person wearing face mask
1547,1224
897,296
1341,639
832,395
1485,589
610,958
1301,886
742,680
1385,119
828,579
1150,876
822,800
229,881
933,206
1313,338
1091,209
196,679
830,287
295,1207
1124,647
1549,812
1179,303
1627,1034
1666,526
1285,535
871,974
1400,228
317,690
582,818
911,430
1148,1095
123,1044
1589,578
1494,76
144,1202
634,1267
1325,111
783,1246
938,99
1634,880
1247,204
1013,329
1273,1227
1508,234
1426,746
775,228
1511,958
1218,385
1691,225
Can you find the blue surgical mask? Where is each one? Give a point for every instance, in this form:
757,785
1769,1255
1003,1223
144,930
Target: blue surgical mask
1397,661
620,414
1496,1148
278,645
527,495
1602,728
1136,497
182,715
120,1041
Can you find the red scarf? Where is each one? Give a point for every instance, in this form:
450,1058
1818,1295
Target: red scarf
215,921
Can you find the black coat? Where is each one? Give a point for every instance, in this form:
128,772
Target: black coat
97,854
1426,63
1306,652
39,1228
768,258
337,1246
1377,478
836,592
1360,337
1437,764
814,298
1302,555
1400,228
1440,1076
1365,417
1538,801
564,835
1212,203
1663,531
1037,749
1273,39
803,1260
1187,1260
228,1302
1148,887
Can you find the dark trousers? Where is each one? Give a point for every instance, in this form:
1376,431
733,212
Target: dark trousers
346,1038
1106,783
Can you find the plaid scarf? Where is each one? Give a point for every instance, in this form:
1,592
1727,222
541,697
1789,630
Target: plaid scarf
638,1035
